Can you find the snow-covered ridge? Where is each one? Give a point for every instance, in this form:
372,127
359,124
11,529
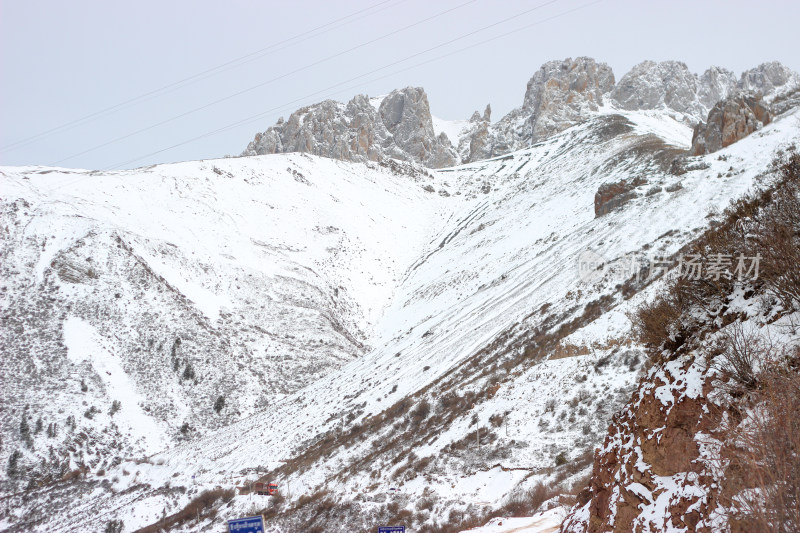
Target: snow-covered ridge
559,95
364,283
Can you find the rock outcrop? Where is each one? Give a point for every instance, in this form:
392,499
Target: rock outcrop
610,196
715,84
559,95
770,80
401,127
664,85
562,93
669,85
728,121
650,474
477,143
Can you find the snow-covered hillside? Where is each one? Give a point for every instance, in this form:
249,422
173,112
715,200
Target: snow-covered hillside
246,279
360,321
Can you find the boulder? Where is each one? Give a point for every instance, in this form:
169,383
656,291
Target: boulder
610,196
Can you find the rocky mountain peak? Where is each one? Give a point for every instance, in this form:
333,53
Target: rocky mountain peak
715,84
561,93
401,128
582,75
486,117
407,106
406,115
665,85
770,80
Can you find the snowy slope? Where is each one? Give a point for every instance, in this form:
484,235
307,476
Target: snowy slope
241,278
544,522
443,276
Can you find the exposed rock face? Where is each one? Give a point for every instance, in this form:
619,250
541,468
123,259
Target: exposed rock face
559,95
770,80
562,93
650,474
785,101
407,116
714,85
612,195
730,120
479,144
401,128
665,85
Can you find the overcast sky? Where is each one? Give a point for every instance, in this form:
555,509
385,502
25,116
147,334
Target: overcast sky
64,61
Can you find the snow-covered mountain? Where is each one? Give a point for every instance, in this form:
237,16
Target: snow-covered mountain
345,328
560,94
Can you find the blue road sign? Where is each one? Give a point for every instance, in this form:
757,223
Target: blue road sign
251,524
392,529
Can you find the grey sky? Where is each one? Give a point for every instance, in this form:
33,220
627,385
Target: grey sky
61,61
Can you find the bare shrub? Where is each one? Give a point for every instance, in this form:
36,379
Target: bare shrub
656,322
564,349
307,499
200,507
525,503
114,526
426,504
763,475
743,355
496,420
278,498
763,224
421,411
778,235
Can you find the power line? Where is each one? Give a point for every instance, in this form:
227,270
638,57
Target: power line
259,85
223,67
256,117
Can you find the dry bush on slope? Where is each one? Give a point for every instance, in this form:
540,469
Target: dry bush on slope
655,322
743,356
762,488
764,224
778,235
760,454
201,506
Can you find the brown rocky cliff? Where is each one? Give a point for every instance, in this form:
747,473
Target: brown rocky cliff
650,474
